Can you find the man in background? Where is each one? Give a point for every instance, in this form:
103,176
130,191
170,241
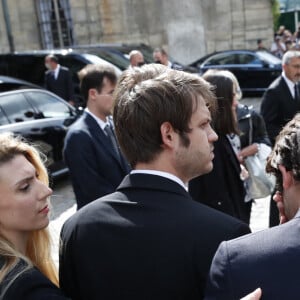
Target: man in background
91,151
136,58
160,56
280,103
58,79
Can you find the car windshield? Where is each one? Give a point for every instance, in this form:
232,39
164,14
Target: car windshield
268,57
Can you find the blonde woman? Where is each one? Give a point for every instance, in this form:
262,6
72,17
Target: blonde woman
26,267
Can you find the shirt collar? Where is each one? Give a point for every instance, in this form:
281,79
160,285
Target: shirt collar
101,123
162,174
290,84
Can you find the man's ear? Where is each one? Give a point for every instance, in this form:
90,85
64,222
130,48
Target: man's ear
92,93
167,134
287,177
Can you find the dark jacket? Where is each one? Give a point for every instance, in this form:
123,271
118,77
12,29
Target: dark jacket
222,188
31,284
278,107
148,240
260,134
95,168
62,85
268,259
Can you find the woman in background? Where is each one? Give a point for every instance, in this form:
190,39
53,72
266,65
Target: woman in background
27,270
223,188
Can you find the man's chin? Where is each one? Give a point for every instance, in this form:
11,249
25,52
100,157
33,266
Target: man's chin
207,170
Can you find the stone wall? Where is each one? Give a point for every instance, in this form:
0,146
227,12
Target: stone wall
189,29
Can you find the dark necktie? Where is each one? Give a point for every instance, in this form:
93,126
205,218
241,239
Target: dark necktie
108,130
296,93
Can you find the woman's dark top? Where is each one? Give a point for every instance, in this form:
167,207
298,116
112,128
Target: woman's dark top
22,283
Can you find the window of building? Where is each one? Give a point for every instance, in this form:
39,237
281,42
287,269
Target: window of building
55,23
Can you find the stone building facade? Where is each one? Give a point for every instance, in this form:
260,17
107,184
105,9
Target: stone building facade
189,29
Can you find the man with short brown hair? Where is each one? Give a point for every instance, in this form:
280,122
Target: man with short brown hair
150,239
91,152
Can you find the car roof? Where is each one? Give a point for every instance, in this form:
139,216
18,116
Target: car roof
9,79
205,57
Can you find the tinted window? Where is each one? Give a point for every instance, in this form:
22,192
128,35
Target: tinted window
3,119
48,104
246,59
17,108
268,57
24,66
222,59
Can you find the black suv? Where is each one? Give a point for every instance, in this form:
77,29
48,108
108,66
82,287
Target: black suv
42,118
30,65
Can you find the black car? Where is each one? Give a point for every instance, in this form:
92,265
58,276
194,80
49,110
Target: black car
8,83
30,65
41,118
255,70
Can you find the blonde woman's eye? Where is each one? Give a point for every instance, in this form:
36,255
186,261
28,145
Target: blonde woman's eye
24,188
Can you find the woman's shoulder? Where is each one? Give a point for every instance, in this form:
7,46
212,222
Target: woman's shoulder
29,283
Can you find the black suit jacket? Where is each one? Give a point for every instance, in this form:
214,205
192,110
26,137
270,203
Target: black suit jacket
95,168
268,259
62,85
278,107
148,240
222,188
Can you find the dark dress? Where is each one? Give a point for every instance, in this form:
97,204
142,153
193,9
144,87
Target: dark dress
222,188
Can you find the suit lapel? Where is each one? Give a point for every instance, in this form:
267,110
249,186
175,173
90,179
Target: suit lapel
101,137
291,101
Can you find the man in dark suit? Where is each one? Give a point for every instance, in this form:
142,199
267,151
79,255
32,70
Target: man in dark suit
58,79
280,103
160,56
267,259
96,163
150,239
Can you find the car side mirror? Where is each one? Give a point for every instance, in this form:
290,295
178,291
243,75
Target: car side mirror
265,64
29,114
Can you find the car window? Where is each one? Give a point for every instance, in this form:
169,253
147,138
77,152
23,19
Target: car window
222,59
268,57
3,118
247,59
48,104
17,108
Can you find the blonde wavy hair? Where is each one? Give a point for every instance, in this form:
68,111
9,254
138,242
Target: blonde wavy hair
38,253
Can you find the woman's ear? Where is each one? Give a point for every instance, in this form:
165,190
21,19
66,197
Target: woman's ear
287,177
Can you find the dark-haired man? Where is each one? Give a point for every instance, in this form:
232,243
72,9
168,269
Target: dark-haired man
58,79
160,56
91,152
150,239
